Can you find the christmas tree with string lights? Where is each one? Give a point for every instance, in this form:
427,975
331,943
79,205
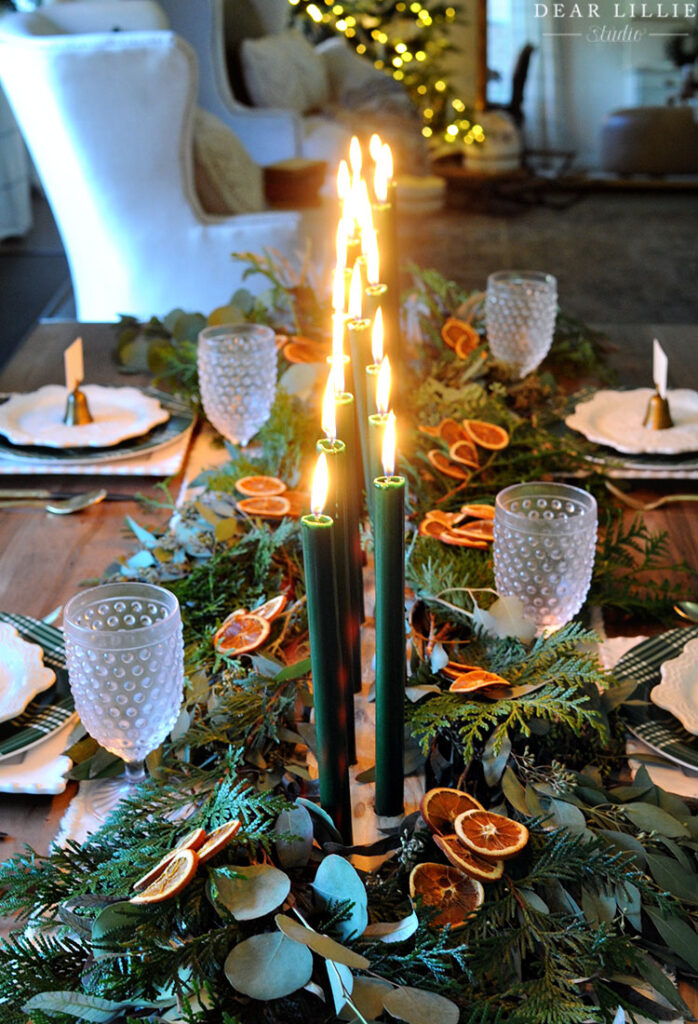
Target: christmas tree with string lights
408,40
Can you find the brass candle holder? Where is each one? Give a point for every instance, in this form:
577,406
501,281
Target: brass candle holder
77,411
658,415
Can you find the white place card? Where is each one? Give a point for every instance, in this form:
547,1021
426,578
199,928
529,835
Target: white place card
74,366
660,368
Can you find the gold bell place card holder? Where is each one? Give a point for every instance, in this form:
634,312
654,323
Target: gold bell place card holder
77,412
357,457
658,414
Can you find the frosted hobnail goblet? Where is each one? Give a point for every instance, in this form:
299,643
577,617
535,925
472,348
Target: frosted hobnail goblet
520,312
544,547
125,661
237,377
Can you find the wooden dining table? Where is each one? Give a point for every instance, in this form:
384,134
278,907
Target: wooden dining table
45,558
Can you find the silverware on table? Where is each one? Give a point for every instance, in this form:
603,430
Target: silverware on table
687,610
41,494
60,507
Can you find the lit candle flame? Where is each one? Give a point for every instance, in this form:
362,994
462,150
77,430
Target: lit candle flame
370,243
338,289
355,157
383,387
355,293
388,454
318,495
338,352
374,146
377,341
329,423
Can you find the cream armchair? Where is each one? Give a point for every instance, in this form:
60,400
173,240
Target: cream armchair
108,117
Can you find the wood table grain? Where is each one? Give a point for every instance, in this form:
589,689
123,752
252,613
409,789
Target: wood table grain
44,558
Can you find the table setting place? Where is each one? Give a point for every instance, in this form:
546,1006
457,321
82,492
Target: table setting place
394,713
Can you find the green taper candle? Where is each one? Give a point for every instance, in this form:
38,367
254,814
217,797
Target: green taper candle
339,472
347,431
375,295
376,434
385,220
317,532
391,668
360,345
372,371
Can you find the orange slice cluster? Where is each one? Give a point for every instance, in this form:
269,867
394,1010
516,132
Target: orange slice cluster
176,869
471,527
463,439
447,887
473,840
460,336
297,349
243,631
260,486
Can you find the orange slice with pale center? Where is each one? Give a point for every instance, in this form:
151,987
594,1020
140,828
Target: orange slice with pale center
441,806
478,511
458,854
429,431
445,465
476,679
487,435
477,529
218,840
272,506
455,894
451,431
490,835
241,633
431,528
303,350
176,875
464,452
259,486
272,608
457,332
468,342
458,540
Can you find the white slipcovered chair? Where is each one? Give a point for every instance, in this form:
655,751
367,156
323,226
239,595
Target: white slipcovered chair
108,116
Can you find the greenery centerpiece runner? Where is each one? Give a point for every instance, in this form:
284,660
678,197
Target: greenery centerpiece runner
590,913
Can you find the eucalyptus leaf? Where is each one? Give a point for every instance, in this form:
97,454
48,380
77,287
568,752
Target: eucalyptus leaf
321,944
599,907
268,966
367,775
495,756
341,983
393,931
145,537
248,892
415,1006
76,1004
115,924
322,818
295,671
672,877
678,935
505,618
295,852
566,815
653,819
225,529
415,693
367,996
626,843
661,983
439,658
534,901
337,880
514,792
536,807
630,903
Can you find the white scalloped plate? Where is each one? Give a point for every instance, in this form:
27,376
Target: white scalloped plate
36,418
614,418
22,672
678,690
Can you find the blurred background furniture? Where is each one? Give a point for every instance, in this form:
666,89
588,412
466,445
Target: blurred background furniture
650,140
105,98
15,176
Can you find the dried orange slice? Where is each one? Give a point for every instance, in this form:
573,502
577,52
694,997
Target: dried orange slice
241,632
302,350
271,608
445,518
465,452
461,857
429,431
259,486
431,528
154,873
441,806
476,679
478,529
455,669
467,343
272,506
478,511
444,465
455,332
441,885
487,435
193,840
491,836
458,540
175,877
218,839
451,431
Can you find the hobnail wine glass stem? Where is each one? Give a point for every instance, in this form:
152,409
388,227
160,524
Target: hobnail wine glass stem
134,772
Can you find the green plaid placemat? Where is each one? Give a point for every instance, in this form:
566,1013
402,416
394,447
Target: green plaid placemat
656,727
49,710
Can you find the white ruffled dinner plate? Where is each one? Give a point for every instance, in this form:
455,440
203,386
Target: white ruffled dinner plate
614,418
678,691
22,672
36,418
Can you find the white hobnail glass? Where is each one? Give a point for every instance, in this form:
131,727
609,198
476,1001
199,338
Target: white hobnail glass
520,313
544,547
237,378
125,659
